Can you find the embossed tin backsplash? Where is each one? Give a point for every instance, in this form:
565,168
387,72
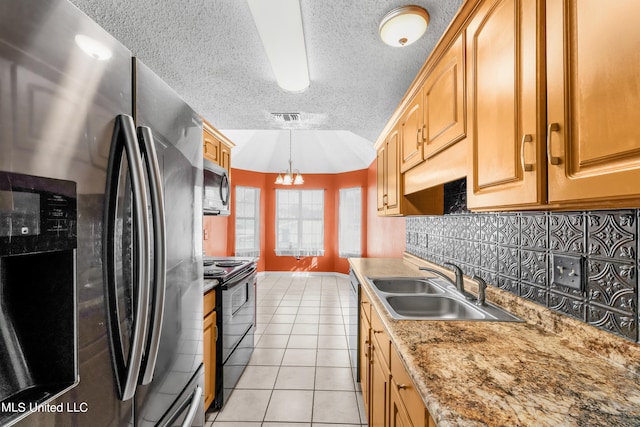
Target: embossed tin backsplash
514,252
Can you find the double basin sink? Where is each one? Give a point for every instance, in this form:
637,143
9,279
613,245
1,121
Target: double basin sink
425,298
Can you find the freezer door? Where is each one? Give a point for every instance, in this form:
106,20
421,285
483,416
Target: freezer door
177,135
188,409
58,105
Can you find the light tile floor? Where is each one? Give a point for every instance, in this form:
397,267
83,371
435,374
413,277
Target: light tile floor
299,375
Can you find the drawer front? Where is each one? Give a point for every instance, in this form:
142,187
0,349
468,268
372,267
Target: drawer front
209,302
409,396
379,334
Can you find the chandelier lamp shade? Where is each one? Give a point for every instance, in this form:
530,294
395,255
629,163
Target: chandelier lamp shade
290,176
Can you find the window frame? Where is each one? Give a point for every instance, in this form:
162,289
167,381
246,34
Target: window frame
255,250
299,250
349,252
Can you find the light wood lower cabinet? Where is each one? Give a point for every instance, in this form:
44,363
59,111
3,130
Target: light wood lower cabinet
379,386
390,397
209,343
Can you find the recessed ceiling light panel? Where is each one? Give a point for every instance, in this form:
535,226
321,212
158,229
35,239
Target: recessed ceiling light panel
279,24
403,25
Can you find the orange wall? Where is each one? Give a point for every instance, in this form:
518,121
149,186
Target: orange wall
215,235
385,235
381,237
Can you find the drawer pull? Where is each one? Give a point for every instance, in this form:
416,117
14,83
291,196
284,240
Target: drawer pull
377,332
553,127
526,167
402,386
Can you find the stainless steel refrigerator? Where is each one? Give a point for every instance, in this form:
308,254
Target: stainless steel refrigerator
75,106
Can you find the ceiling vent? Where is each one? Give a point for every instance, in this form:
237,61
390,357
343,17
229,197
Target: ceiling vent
286,117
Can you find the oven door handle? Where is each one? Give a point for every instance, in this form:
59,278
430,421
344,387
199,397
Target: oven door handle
148,149
232,283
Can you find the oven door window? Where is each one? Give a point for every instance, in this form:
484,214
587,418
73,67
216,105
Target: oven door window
239,298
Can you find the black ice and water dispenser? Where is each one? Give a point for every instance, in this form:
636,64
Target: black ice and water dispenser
38,305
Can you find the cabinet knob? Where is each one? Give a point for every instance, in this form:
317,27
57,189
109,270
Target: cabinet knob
401,386
553,127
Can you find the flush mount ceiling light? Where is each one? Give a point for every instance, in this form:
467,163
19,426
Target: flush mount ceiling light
286,177
403,25
279,24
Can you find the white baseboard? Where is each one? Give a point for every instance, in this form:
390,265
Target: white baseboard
303,273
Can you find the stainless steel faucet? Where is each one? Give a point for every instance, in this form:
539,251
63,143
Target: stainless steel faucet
458,283
482,290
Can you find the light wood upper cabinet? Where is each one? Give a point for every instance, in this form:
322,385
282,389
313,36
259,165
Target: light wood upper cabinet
435,118
411,138
444,119
388,176
592,100
506,105
211,147
225,157
216,146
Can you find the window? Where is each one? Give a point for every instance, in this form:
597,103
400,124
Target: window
300,222
247,221
350,223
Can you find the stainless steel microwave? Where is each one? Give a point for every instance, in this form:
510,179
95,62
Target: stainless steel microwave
216,198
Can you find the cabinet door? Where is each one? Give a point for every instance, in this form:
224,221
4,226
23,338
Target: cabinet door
211,148
225,157
411,138
397,414
365,360
445,121
381,182
379,390
407,393
506,105
392,174
593,93
209,343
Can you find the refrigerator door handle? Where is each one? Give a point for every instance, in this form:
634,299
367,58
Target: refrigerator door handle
127,371
147,146
193,407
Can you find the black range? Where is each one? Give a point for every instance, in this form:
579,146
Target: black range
236,280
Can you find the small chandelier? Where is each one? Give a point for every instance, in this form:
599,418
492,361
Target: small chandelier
287,177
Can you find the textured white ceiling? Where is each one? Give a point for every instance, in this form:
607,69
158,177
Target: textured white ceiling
210,53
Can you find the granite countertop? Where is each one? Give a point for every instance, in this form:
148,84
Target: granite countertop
547,371
210,284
